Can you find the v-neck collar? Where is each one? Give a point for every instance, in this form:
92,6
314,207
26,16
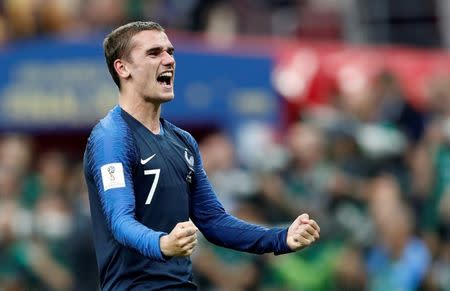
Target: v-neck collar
138,126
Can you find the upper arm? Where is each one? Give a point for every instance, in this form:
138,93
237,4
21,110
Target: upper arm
111,157
226,230
205,208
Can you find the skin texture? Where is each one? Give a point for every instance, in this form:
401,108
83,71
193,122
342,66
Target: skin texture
302,232
181,241
141,95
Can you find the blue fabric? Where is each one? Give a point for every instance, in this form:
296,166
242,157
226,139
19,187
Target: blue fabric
127,228
223,229
112,142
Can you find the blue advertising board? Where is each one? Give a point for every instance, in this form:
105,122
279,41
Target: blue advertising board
54,84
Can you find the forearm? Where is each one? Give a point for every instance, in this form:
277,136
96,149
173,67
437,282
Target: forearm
225,230
131,233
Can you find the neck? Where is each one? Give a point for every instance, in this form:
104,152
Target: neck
147,113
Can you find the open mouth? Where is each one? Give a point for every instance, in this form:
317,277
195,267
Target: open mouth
165,79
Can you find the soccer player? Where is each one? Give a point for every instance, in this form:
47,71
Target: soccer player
148,190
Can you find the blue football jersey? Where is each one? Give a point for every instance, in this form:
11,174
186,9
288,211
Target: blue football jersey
140,186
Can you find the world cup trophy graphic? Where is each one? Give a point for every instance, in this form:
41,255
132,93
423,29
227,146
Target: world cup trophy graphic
111,170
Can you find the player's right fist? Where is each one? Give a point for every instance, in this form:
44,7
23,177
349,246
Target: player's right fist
181,241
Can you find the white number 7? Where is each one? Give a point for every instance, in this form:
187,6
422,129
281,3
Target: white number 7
155,182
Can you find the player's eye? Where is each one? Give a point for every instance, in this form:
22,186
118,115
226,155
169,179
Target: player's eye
154,52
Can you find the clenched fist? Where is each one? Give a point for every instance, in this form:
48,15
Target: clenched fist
302,232
181,241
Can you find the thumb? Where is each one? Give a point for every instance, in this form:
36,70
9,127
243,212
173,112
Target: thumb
304,218
300,219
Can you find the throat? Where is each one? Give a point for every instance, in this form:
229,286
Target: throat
151,122
146,113
155,127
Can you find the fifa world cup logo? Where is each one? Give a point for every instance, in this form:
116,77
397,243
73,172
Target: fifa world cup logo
111,171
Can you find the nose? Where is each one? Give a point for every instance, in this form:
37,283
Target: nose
168,59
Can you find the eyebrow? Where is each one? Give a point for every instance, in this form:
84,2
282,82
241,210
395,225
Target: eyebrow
158,49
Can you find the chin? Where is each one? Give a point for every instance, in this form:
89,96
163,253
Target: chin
161,99
167,99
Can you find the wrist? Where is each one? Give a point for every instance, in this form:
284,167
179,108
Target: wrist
283,246
163,246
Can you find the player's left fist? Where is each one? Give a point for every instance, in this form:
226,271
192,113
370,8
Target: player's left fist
302,232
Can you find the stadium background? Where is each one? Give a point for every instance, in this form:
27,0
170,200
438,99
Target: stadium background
338,108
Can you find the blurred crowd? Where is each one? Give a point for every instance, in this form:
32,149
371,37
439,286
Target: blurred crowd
373,170
30,18
45,231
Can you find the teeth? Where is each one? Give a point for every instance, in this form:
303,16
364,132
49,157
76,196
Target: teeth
166,74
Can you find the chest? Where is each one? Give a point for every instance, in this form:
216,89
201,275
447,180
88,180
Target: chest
163,175
167,153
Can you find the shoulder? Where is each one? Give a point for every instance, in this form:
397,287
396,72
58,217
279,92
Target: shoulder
181,133
416,248
112,128
111,134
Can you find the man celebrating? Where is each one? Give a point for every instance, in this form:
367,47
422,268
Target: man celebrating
148,190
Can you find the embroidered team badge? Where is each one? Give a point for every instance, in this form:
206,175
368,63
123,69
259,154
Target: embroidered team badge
189,159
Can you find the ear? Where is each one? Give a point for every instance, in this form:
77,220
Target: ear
121,69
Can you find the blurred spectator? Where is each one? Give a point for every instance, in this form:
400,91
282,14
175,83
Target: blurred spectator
103,14
215,266
53,174
15,225
28,260
308,172
221,165
20,19
420,163
226,269
328,11
79,246
49,181
439,278
439,97
398,260
310,270
15,153
444,216
221,25
393,107
350,271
